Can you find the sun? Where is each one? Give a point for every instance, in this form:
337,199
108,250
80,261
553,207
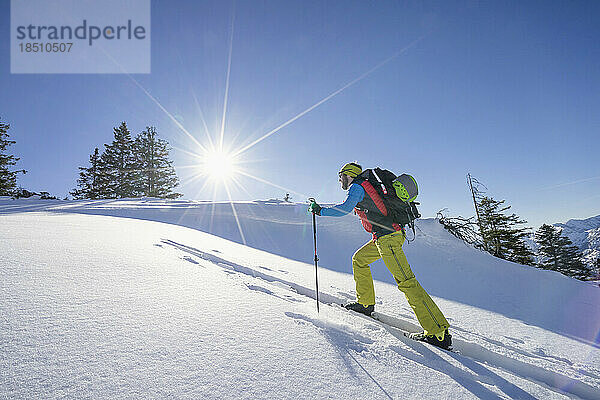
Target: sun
218,165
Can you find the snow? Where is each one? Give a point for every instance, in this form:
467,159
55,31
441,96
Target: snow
94,305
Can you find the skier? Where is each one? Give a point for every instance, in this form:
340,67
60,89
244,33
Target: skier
387,241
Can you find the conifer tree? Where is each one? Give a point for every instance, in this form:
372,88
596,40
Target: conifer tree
91,183
557,253
119,165
157,176
8,178
548,240
501,234
596,267
575,267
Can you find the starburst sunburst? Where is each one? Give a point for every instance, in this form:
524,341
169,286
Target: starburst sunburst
219,161
218,165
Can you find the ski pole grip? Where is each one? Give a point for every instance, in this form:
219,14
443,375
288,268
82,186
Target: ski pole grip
312,200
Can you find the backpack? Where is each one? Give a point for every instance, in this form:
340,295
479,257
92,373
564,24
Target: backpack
398,194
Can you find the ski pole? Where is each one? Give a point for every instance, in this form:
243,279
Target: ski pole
314,224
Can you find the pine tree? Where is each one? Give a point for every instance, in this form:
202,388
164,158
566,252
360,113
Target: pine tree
596,267
548,240
500,233
573,261
91,183
119,165
557,253
8,178
157,176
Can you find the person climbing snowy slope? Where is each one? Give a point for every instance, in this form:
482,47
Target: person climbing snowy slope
386,244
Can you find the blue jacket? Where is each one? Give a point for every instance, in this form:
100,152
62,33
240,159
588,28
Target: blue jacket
356,193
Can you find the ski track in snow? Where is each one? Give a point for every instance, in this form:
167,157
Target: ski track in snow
473,356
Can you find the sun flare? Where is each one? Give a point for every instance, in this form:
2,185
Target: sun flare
219,165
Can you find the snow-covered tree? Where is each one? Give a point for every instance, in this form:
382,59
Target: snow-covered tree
157,177
557,253
8,178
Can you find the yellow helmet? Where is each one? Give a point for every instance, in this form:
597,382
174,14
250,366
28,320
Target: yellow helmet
351,169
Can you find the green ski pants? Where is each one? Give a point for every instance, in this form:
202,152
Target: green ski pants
389,248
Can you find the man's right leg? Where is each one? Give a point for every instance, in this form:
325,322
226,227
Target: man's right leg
365,292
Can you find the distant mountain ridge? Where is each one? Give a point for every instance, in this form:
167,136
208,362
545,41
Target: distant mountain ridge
585,234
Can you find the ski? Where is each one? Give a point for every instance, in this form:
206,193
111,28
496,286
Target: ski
400,326
384,319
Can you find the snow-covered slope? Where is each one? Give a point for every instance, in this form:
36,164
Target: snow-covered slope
585,234
443,264
94,306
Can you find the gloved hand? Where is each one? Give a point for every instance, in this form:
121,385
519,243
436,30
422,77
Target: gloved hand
314,208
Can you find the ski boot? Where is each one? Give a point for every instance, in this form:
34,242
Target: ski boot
359,308
443,341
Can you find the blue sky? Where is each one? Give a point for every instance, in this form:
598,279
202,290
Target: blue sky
508,91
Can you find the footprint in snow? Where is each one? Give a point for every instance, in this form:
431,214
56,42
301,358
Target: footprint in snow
190,259
260,289
269,292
